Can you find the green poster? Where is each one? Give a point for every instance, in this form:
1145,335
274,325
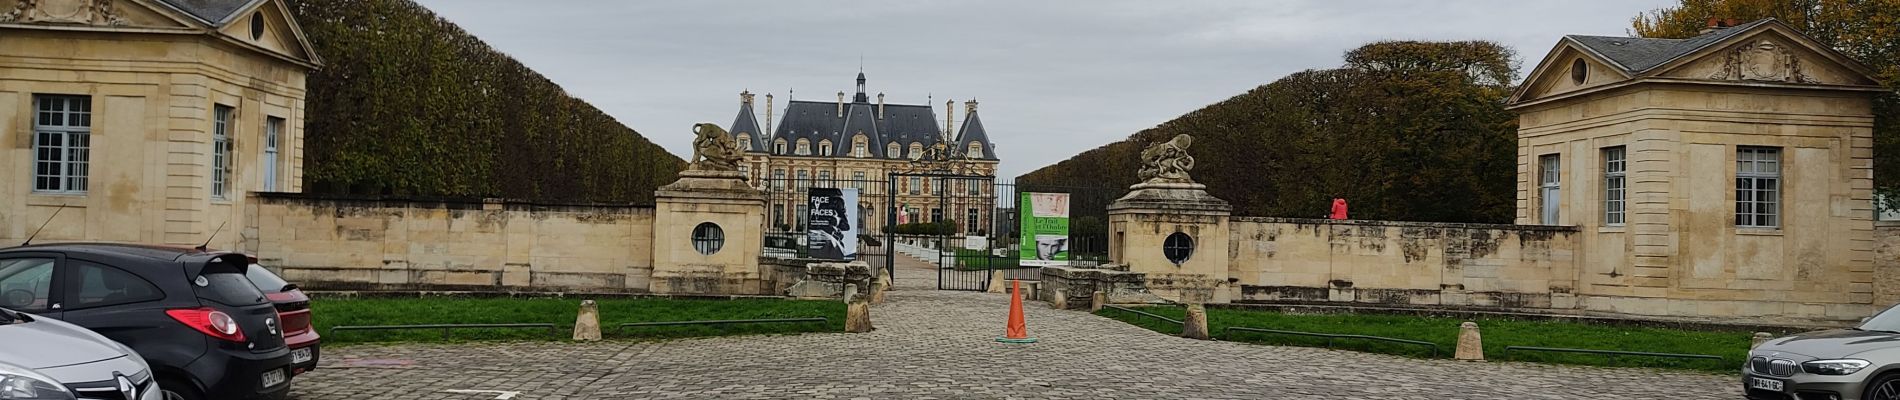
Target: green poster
1045,229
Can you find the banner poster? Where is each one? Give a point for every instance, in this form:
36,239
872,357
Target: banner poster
830,233
1045,229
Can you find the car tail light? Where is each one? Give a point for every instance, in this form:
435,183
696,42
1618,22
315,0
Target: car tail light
210,322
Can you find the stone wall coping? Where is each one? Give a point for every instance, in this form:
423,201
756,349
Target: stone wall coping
1407,224
453,203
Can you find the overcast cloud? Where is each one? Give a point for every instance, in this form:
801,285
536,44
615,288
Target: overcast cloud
1053,78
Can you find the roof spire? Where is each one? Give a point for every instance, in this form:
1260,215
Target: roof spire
861,98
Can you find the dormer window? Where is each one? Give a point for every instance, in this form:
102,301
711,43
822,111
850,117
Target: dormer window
804,147
824,148
976,150
778,147
916,151
858,146
891,150
745,142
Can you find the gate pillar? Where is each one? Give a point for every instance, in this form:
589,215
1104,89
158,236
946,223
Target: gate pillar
1172,230
686,215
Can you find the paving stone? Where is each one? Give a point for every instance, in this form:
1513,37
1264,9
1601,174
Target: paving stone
941,344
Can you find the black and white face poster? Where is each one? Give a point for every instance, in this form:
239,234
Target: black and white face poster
830,234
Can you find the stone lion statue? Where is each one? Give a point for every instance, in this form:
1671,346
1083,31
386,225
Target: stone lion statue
713,149
1168,161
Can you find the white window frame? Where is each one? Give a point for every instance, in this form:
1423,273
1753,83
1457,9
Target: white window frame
778,178
70,164
803,181
1758,187
273,134
745,142
916,185
1550,188
972,217
1615,185
803,148
824,179
857,148
824,148
857,180
892,150
221,122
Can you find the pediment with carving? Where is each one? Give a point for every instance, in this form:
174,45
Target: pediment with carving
102,13
1767,58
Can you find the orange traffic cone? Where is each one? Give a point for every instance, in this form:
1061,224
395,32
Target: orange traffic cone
1018,331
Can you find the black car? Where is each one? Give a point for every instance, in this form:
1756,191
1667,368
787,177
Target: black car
206,330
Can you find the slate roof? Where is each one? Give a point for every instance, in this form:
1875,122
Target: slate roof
972,132
904,124
214,12
1639,55
746,122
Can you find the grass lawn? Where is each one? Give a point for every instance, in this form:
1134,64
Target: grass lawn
1732,346
969,260
561,312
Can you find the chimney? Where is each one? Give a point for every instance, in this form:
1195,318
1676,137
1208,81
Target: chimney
745,97
768,115
841,104
949,113
969,108
880,106
1717,23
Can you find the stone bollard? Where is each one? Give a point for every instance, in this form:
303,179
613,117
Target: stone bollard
1195,325
587,324
1059,300
1097,301
1470,344
857,310
1761,337
882,285
997,283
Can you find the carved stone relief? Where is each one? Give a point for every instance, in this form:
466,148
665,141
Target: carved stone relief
88,12
1762,60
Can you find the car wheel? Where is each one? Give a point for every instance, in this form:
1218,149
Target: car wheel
176,389
1884,387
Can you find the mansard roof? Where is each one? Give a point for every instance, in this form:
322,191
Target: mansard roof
747,123
817,121
972,132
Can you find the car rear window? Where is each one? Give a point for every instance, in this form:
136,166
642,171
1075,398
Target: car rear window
265,280
228,288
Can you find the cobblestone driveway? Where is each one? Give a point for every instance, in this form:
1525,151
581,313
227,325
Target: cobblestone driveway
936,344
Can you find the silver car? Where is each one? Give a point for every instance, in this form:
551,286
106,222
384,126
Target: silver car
45,359
1856,363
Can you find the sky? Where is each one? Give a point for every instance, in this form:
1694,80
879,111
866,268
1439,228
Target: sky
1053,78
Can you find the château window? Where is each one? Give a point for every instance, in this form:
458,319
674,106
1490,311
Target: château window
778,178
745,142
890,151
916,185
976,150
221,152
778,147
804,180
858,147
857,180
824,179
972,221
824,148
1615,185
804,147
1549,188
916,150
62,143
273,132
1757,187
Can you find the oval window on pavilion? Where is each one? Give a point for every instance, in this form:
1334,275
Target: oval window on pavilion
1178,247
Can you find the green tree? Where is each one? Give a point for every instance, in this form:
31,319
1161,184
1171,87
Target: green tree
1404,130
409,104
1866,30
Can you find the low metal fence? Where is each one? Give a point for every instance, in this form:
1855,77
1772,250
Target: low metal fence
444,327
1610,355
725,322
1330,336
1145,314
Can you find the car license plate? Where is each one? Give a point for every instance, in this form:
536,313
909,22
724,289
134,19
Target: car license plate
276,377
1764,384
300,356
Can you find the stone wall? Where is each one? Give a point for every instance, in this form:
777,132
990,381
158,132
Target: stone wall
1402,263
1886,263
342,243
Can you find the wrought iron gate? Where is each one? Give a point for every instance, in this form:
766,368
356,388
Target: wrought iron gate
947,221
